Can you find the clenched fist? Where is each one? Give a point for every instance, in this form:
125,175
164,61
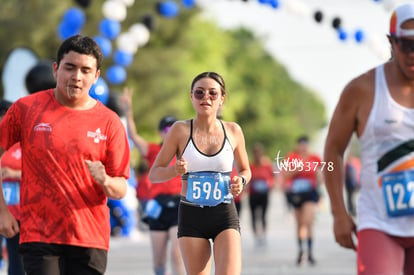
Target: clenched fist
97,170
181,166
236,185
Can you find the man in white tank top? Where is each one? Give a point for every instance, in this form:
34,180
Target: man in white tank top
378,106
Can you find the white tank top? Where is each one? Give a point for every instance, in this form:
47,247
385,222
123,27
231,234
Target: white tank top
197,161
387,149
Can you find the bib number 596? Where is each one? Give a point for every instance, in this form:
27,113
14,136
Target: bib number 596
207,189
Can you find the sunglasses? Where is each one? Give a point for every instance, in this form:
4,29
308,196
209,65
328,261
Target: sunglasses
199,94
405,45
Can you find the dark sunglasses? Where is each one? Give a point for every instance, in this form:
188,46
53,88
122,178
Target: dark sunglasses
199,94
405,45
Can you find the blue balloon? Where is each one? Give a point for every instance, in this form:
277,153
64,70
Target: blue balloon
65,31
105,45
359,36
342,35
264,1
168,8
74,17
188,3
116,74
100,91
274,3
122,217
110,28
123,58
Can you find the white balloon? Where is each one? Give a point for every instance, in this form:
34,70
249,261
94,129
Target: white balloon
114,10
17,65
126,42
126,2
297,7
140,33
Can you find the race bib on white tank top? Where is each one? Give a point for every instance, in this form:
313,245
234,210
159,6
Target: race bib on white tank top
208,188
398,190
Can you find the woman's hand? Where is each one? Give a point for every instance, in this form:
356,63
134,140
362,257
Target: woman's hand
236,185
181,166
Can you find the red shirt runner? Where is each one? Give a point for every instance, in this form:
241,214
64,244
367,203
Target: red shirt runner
261,175
59,201
310,166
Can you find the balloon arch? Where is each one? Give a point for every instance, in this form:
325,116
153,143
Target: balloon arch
122,46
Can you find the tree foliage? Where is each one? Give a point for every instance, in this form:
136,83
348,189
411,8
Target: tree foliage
271,107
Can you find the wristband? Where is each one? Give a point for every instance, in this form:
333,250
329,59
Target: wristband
243,181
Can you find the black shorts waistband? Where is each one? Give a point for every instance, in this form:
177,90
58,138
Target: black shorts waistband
184,200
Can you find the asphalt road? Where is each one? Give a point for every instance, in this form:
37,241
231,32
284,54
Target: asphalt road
132,255
277,256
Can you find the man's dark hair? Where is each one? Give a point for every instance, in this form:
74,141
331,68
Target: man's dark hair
83,45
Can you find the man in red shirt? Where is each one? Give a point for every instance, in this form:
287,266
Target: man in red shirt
260,186
301,187
75,155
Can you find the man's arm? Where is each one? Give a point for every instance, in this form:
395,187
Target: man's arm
345,121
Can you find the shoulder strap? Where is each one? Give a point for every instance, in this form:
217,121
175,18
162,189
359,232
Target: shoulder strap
224,129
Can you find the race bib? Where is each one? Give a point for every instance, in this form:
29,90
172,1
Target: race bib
153,209
398,190
208,188
260,186
301,185
11,192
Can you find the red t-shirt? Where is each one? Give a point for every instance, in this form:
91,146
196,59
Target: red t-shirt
143,187
59,201
12,159
262,178
171,187
308,171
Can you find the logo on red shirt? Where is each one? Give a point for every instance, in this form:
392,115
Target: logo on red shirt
97,135
43,127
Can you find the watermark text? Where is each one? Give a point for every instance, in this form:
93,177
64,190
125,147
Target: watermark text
298,165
